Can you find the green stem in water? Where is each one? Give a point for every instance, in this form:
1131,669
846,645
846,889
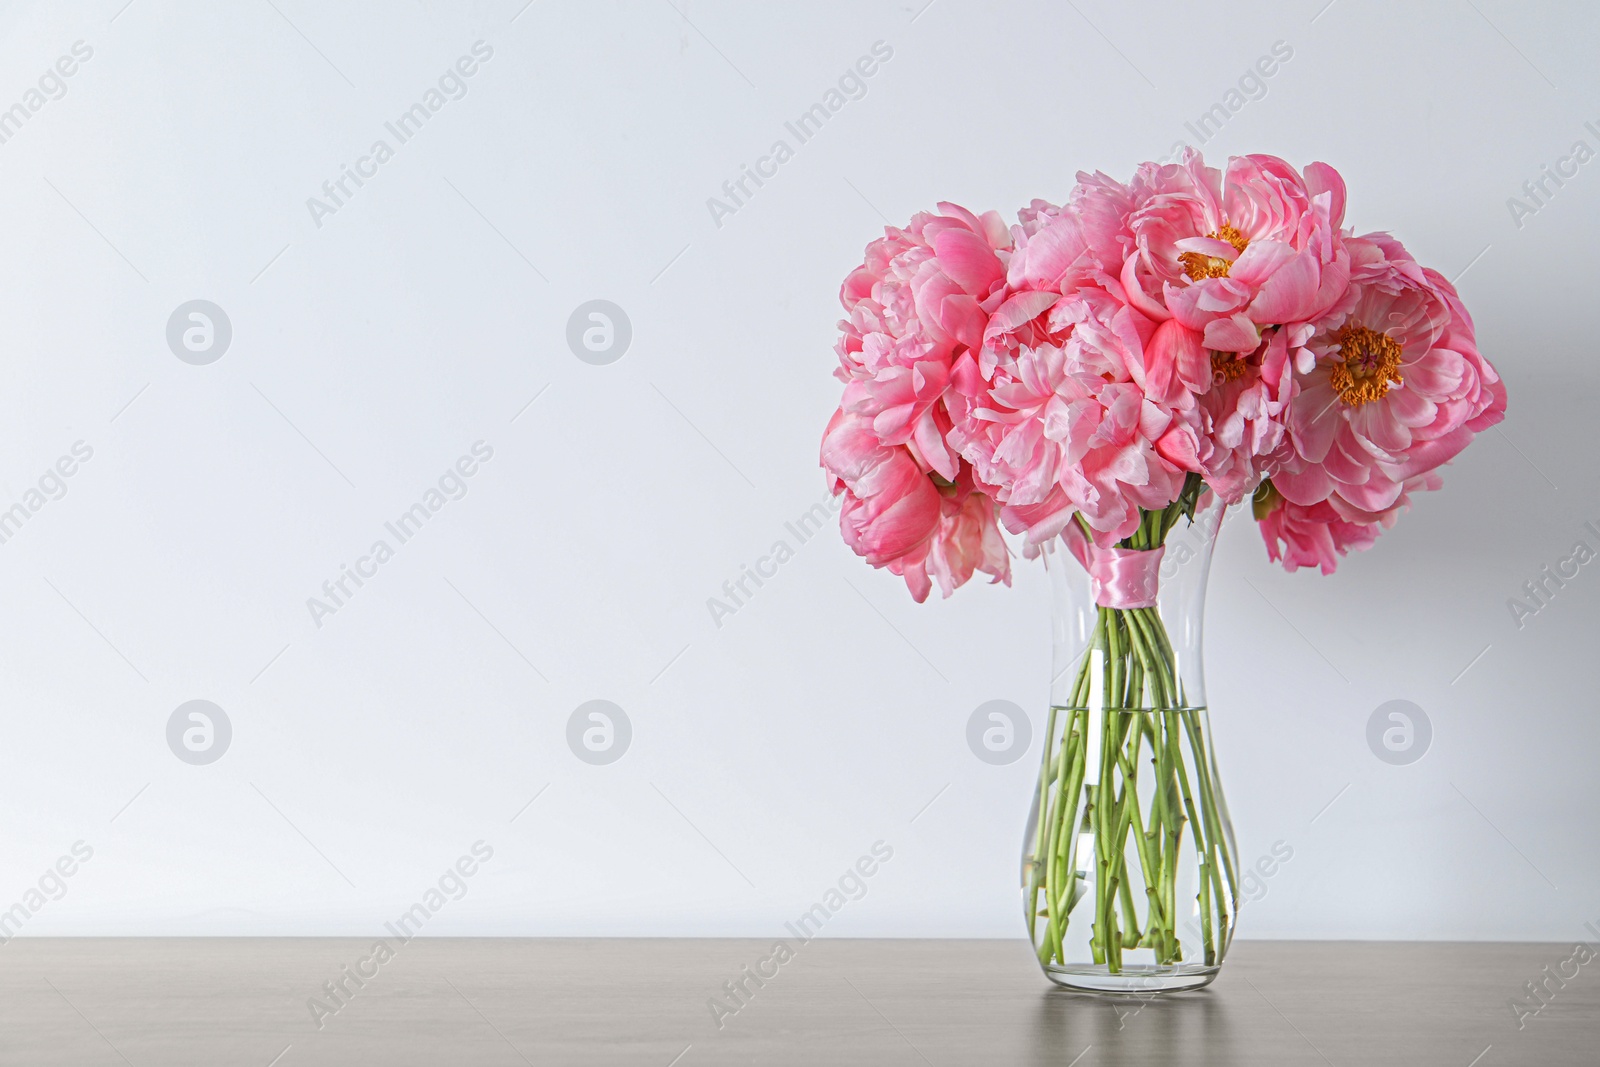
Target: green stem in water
1129,676
1036,875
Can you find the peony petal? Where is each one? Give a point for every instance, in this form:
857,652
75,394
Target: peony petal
1378,494
968,259
1220,295
1208,246
1046,256
1427,455
1180,447
1137,296
1290,293
1437,374
1259,261
1315,418
963,319
1323,179
1177,352
1375,422
934,449
1494,412
1409,408
1310,486
1233,334
1018,311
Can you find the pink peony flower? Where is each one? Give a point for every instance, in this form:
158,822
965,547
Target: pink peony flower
1060,249
899,517
923,292
1091,360
1227,254
966,540
918,308
1312,536
1121,442
891,506
1396,387
1237,423
1135,285
1073,428
1316,535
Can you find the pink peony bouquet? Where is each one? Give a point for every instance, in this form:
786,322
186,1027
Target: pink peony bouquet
1106,360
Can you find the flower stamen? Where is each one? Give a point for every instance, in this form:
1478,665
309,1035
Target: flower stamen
1198,265
1369,363
1227,367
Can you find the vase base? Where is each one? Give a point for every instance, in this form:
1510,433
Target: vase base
1132,980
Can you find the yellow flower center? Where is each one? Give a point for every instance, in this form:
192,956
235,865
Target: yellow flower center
1369,363
1198,265
1227,367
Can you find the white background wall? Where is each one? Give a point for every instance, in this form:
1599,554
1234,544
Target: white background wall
767,754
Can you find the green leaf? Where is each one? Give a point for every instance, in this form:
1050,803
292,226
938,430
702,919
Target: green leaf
1189,499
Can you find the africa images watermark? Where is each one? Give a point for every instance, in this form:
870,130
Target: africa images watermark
338,591
51,485
1250,86
1541,589
1541,190
51,85
852,85
52,885
741,989
1253,882
1542,991
337,993
452,85
736,591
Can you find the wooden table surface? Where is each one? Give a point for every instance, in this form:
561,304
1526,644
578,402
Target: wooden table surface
249,1001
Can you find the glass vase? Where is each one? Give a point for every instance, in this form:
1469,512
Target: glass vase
1129,865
